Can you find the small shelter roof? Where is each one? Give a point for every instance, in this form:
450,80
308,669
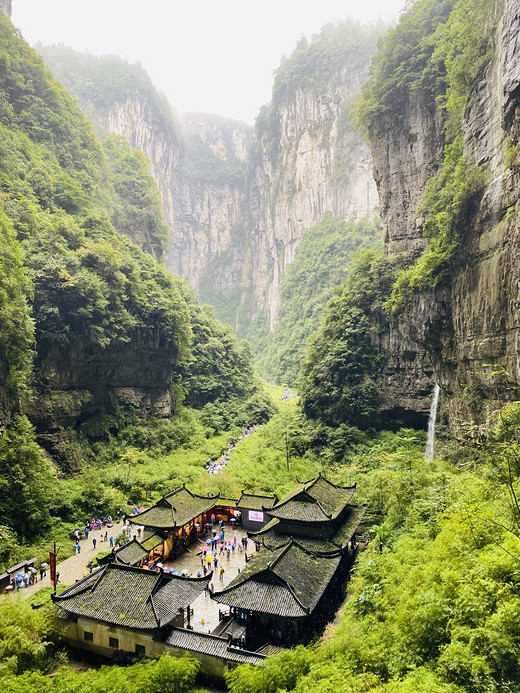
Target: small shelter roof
213,645
255,501
287,582
273,538
174,510
130,553
152,541
130,597
227,502
316,500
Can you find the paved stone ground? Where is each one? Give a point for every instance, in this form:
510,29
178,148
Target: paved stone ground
75,567
205,611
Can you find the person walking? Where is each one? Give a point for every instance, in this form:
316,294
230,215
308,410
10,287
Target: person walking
94,542
221,573
78,547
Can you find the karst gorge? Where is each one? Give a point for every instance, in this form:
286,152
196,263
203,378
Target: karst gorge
170,282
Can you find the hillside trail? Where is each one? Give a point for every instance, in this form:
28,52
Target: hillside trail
75,567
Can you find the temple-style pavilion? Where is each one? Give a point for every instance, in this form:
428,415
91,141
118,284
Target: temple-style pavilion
286,592
291,587
118,608
317,514
175,521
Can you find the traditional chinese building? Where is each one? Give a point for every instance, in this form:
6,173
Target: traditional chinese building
291,587
254,510
120,608
175,521
317,514
287,591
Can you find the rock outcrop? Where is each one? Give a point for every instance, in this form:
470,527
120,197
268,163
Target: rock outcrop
469,328
6,7
319,165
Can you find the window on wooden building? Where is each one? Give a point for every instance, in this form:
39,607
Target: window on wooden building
140,649
88,636
114,643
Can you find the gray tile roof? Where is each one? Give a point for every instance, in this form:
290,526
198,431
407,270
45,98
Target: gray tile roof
152,541
288,581
131,553
178,593
255,501
130,597
273,536
175,510
317,500
213,645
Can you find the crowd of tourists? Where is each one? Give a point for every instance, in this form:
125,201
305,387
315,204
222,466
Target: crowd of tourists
219,464
25,578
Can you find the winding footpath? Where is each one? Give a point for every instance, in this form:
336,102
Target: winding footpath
74,567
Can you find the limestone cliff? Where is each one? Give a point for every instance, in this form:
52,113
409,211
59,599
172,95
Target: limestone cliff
237,202
321,166
469,323
6,7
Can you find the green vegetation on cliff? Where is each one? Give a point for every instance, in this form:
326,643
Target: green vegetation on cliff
321,263
337,384
101,82
16,334
431,61
137,211
318,65
95,336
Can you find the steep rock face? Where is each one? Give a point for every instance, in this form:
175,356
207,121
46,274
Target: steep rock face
321,167
485,296
210,197
405,158
201,210
136,119
470,328
228,196
6,7
88,381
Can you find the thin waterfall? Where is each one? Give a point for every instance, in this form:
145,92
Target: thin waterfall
430,438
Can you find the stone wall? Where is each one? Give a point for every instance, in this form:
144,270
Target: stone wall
470,329
6,7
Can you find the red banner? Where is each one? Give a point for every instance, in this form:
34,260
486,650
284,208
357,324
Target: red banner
52,567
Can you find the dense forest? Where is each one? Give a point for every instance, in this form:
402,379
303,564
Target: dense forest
117,385
95,334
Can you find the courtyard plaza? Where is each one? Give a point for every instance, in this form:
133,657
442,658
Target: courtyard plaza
205,610
205,616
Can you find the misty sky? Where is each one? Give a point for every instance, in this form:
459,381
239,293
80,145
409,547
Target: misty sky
216,56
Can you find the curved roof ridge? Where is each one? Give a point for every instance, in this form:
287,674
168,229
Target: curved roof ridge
283,550
314,480
210,497
329,515
89,584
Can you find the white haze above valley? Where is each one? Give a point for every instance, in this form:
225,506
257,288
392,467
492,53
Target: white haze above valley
209,56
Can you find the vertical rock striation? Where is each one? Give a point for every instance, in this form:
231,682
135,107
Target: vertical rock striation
319,165
6,7
469,325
